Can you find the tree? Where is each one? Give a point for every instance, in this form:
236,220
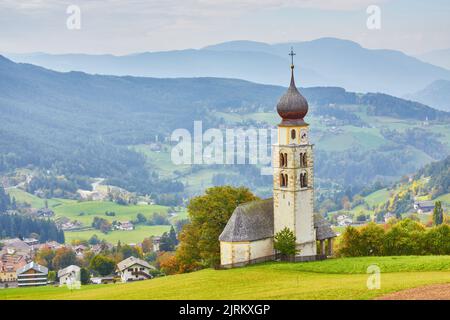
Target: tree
371,240
94,240
51,276
179,224
130,251
102,264
45,257
173,236
284,242
168,263
64,257
438,213
85,276
209,213
141,219
147,245
350,245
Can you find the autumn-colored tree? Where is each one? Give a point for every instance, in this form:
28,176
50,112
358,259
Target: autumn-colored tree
147,245
199,240
346,205
350,243
45,257
64,257
127,251
168,263
371,240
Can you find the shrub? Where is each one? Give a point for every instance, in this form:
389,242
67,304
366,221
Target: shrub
284,242
406,237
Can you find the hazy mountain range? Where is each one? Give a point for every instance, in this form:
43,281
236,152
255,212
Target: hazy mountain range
321,62
436,94
439,58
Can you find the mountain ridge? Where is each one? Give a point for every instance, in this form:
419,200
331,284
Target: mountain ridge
321,62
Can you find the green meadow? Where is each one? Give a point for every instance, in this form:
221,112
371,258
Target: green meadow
135,236
344,278
86,211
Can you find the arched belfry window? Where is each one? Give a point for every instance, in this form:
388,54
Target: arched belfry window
283,180
293,134
303,180
303,160
283,160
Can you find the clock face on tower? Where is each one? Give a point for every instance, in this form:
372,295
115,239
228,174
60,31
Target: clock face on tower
303,136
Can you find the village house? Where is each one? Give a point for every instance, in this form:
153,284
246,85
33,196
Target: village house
80,250
31,241
52,245
18,246
424,206
10,262
156,240
343,220
134,269
69,275
32,274
388,216
45,213
103,280
124,226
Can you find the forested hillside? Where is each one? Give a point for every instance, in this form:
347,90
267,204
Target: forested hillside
82,126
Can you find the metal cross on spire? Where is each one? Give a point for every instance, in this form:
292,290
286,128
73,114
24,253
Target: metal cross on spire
292,54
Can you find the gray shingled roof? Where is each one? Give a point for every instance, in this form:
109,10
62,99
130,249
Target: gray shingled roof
254,221
250,221
323,228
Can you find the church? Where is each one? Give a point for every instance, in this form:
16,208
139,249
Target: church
249,233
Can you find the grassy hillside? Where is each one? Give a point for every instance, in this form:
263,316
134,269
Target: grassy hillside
34,201
134,236
86,211
53,120
331,279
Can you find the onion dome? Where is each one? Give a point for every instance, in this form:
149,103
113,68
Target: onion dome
292,106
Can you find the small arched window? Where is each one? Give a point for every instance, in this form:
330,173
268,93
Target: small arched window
303,180
293,134
286,180
285,160
282,180
305,160
281,159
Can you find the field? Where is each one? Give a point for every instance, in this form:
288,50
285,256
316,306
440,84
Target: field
85,212
344,278
35,202
134,236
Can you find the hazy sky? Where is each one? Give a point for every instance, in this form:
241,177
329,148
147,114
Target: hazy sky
120,27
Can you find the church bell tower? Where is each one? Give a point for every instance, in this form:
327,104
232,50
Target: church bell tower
293,176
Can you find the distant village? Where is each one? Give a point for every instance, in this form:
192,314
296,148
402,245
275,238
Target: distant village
18,266
420,207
